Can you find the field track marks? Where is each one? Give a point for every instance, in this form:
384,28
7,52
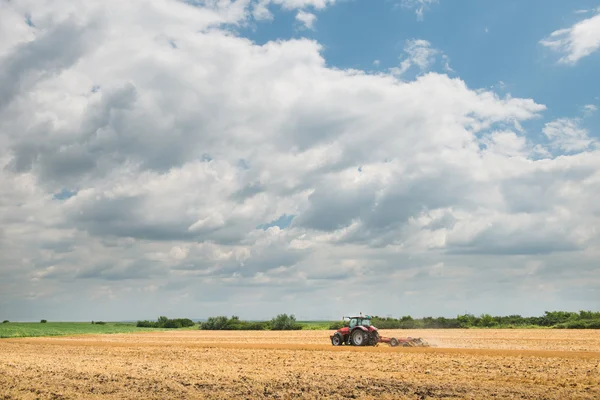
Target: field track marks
79,341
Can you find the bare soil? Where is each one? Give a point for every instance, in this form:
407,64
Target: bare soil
463,364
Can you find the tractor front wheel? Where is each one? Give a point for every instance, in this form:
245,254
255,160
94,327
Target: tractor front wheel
337,340
360,338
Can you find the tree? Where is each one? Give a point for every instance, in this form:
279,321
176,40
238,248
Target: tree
284,322
487,321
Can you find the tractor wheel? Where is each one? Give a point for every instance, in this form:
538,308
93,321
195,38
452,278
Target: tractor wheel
360,338
337,340
393,342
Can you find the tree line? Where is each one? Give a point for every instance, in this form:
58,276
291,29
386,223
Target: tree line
281,322
164,322
550,319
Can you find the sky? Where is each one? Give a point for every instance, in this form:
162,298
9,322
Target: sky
311,157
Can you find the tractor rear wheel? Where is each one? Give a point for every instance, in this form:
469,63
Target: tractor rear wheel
360,338
337,340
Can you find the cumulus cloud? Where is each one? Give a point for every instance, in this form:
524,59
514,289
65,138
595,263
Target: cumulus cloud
576,42
156,163
420,6
307,19
589,109
567,135
419,53
260,8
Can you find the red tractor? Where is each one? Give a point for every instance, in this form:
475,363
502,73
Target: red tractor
360,332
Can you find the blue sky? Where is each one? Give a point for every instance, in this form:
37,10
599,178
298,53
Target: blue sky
254,157
486,42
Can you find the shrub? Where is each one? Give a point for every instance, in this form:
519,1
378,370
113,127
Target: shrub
581,324
336,325
220,323
5,321
284,322
593,324
43,321
385,323
164,322
171,324
183,322
407,322
100,323
146,324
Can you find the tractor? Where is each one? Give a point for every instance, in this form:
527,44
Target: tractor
360,332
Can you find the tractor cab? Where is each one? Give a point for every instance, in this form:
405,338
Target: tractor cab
363,320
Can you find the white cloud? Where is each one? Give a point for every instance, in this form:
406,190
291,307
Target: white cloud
566,134
421,54
306,18
174,143
576,42
420,6
260,8
589,109
446,60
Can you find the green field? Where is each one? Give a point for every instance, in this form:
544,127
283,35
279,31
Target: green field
34,329
315,325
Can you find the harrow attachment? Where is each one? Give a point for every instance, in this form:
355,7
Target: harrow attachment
404,342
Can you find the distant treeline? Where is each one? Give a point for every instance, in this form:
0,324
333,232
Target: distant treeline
164,322
282,322
550,319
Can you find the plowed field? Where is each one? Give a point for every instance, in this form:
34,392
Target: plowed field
463,364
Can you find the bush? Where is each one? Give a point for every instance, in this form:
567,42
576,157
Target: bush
407,322
99,322
5,321
43,321
185,322
284,322
336,325
581,324
164,322
222,323
146,324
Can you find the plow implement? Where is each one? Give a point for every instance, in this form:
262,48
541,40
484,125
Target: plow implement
404,342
